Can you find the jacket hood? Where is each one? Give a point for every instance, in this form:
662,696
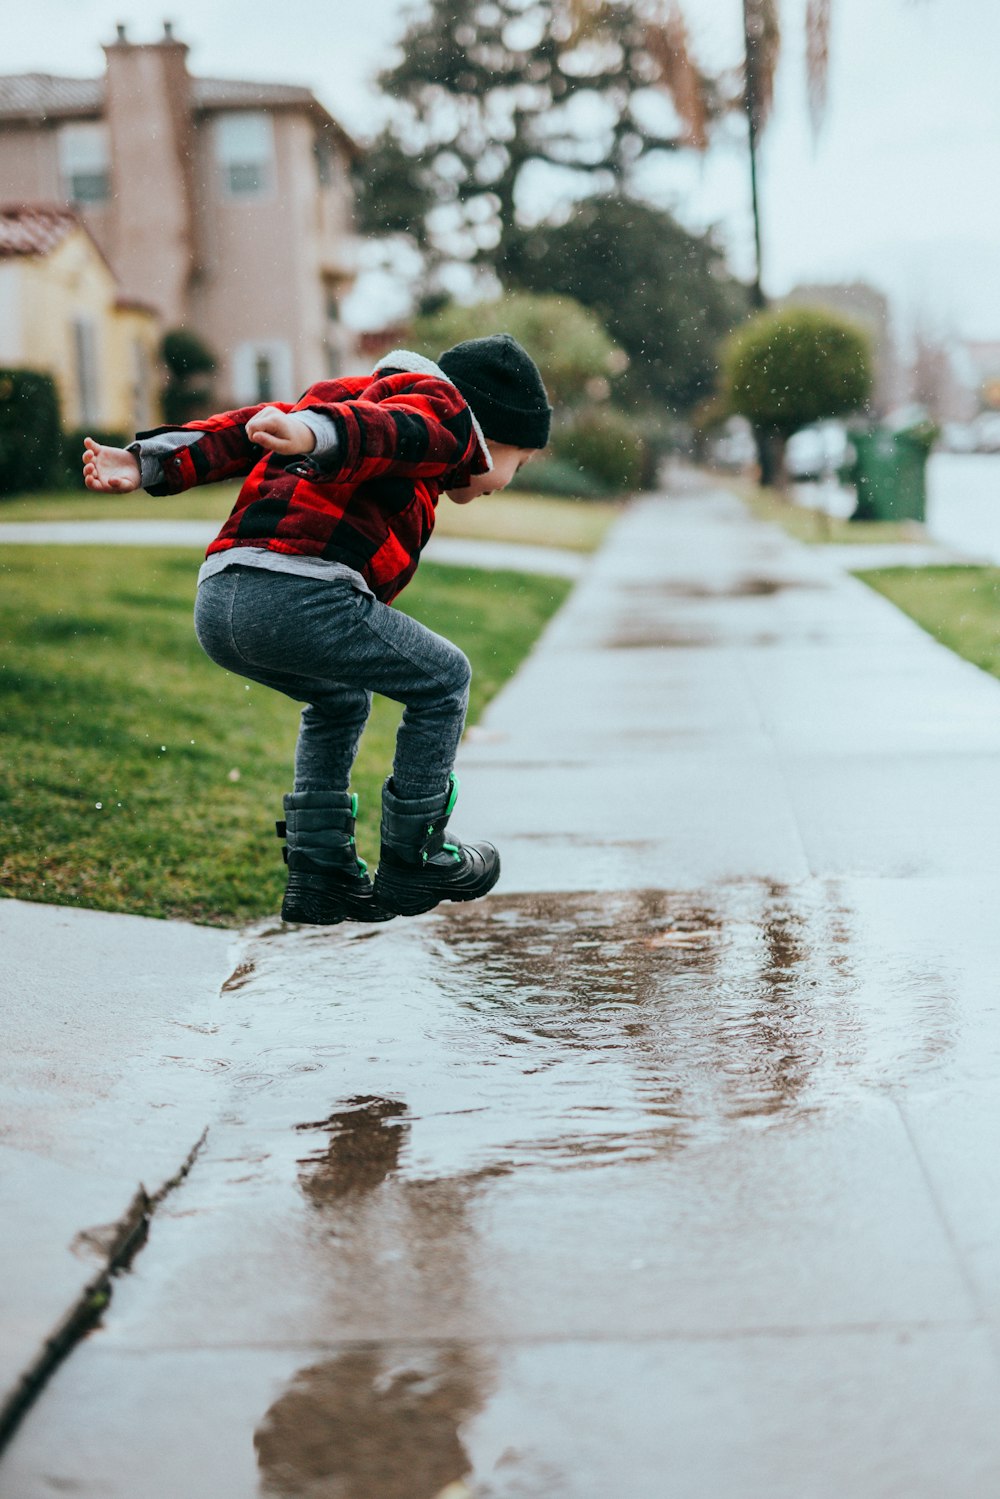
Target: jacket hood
419,364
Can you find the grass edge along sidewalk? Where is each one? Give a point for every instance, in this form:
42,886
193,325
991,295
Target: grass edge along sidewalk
137,776
816,527
958,604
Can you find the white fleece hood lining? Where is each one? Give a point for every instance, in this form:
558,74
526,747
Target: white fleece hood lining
419,364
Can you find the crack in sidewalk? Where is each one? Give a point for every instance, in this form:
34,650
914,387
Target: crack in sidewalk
120,1242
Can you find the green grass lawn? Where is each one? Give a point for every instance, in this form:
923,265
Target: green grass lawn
536,520
960,606
135,775
815,526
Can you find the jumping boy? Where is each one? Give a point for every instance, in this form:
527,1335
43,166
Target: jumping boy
337,503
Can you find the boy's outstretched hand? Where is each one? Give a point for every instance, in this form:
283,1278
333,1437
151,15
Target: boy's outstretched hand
280,433
109,470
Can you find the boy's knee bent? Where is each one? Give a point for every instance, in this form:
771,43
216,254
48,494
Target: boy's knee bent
459,676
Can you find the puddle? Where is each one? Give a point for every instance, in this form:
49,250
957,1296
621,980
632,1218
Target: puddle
500,1130
363,1149
679,639
572,1032
738,588
372,1424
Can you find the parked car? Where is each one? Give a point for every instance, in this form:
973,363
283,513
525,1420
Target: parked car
986,427
817,452
734,448
959,437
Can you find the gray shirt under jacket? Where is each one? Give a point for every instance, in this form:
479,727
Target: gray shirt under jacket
150,453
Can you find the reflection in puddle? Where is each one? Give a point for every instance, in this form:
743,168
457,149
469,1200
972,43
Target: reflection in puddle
699,1010
571,1031
365,1141
542,1036
371,1424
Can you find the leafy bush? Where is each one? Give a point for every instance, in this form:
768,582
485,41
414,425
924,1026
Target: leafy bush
30,434
189,363
72,447
787,369
607,445
568,343
561,478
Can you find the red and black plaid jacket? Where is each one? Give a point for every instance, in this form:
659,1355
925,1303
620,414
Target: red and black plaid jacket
402,437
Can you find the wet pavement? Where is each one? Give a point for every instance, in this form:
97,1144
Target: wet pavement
671,1168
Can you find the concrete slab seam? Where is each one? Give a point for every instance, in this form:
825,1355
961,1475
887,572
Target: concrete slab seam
967,1277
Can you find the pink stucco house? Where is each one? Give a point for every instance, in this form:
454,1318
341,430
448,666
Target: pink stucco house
224,205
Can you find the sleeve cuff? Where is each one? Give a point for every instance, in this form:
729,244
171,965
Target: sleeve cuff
150,466
323,428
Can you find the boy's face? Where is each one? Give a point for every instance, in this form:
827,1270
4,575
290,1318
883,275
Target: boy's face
506,462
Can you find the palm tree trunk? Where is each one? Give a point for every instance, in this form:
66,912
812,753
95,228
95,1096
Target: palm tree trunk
761,42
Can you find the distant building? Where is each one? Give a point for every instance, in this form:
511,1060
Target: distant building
869,307
62,313
225,205
978,360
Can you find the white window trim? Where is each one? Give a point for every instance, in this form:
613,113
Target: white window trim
244,370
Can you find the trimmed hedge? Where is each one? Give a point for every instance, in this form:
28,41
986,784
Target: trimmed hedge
607,445
559,477
31,446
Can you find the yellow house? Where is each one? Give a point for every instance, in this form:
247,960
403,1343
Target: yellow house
61,314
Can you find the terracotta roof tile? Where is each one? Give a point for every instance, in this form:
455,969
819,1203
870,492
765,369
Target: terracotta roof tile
33,230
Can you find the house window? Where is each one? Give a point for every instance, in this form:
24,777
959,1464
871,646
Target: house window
85,163
244,144
85,363
264,375
262,372
323,154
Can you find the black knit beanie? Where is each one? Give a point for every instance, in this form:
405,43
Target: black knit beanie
501,383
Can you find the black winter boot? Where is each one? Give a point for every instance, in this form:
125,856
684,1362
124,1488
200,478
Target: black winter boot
327,882
417,869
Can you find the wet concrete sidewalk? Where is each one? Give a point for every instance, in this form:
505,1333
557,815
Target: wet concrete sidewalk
673,1167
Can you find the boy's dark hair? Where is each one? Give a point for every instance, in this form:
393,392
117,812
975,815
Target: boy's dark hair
502,385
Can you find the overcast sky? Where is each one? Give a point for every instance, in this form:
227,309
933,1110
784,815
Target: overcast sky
901,188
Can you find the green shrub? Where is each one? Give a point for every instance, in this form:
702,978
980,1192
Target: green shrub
568,343
31,451
72,447
607,445
787,368
560,478
189,364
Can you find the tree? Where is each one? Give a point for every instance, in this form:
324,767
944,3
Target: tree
783,370
489,92
761,50
663,294
30,432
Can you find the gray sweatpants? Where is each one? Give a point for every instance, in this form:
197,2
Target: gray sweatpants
330,646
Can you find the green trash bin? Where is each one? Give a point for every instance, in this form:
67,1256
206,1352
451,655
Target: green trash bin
889,473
